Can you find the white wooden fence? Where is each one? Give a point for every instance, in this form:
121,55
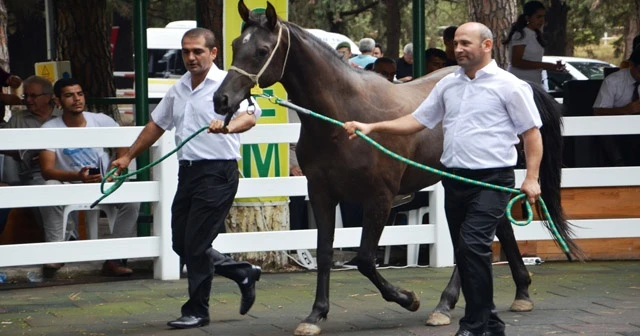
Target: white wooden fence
162,188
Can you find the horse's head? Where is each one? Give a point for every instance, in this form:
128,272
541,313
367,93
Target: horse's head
259,56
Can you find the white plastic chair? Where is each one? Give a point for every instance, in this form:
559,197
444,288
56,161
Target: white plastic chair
91,218
414,217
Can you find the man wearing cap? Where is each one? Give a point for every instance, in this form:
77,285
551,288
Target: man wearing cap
344,50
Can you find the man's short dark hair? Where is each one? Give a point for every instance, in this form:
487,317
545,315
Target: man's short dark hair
209,37
449,33
435,52
635,57
636,42
63,83
385,59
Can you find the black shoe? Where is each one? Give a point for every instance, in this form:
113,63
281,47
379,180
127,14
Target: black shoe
186,322
463,332
248,289
494,333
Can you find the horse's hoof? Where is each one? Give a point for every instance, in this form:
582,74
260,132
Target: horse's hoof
307,329
521,306
438,319
415,302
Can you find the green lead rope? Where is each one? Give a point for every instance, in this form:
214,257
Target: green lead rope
119,179
520,195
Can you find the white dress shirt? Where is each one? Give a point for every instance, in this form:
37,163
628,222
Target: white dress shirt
189,109
481,118
616,90
533,51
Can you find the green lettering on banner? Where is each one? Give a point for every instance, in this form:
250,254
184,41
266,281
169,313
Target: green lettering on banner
263,159
269,113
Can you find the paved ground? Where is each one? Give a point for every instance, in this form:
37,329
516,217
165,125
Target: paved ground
595,298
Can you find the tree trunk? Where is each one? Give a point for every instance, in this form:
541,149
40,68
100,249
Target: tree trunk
393,23
210,13
83,39
244,217
632,30
4,46
555,31
498,16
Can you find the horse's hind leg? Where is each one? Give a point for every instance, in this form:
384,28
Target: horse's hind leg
521,278
375,217
325,215
441,315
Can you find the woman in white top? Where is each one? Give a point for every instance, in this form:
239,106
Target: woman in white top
526,45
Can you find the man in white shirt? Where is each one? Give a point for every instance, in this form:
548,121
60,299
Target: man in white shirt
482,109
208,175
619,95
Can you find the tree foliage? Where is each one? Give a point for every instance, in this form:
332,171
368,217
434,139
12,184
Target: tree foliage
590,19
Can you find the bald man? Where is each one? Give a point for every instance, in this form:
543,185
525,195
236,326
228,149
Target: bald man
483,109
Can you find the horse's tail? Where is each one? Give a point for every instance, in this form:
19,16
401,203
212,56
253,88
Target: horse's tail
551,167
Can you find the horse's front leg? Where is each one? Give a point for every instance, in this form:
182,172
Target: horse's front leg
374,220
441,315
522,301
324,210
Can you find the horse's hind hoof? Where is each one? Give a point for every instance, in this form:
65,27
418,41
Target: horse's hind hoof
521,306
415,302
438,319
307,329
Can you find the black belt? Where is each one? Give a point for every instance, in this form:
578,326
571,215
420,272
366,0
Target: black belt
190,163
464,172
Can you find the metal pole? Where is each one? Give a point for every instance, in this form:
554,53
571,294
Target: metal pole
418,39
49,17
142,99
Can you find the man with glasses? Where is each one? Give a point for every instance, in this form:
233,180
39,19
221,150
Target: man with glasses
22,166
38,98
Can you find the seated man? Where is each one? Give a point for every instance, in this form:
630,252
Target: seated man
38,97
72,165
619,95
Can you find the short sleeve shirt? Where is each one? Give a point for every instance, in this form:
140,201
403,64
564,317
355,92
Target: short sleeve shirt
188,109
73,159
616,90
481,118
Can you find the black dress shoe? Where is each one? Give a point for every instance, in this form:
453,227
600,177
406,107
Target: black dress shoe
463,332
248,289
494,333
186,322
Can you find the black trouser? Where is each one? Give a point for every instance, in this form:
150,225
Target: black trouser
206,190
473,213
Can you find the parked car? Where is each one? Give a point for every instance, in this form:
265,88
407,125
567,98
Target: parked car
577,69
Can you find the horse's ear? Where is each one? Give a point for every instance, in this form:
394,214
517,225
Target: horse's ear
243,10
272,17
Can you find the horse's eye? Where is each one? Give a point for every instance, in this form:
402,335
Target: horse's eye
262,52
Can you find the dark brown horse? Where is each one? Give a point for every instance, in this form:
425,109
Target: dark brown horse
270,50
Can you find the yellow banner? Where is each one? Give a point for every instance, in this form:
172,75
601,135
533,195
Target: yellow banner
260,160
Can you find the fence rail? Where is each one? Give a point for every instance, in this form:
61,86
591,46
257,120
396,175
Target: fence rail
162,188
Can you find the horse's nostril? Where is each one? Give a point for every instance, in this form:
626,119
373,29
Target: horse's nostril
224,100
